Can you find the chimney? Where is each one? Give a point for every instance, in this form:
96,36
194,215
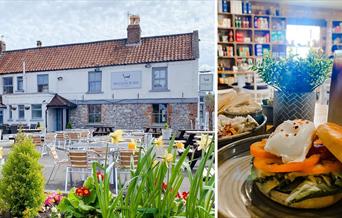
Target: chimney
133,30
2,45
39,43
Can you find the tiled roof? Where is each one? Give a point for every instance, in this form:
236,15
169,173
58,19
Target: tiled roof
101,53
59,102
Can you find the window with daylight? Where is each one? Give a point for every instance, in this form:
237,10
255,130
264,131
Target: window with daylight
21,112
20,84
94,113
94,81
8,85
159,114
159,79
36,111
43,83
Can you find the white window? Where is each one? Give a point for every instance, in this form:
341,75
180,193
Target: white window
21,112
94,81
8,85
43,83
94,113
159,79
302,38
20,82
36,111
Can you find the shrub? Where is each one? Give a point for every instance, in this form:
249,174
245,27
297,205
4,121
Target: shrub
69,125
22,183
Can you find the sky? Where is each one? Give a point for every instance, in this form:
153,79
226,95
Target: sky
54,22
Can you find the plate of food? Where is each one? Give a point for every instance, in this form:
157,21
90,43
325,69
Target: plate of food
232,129
294,172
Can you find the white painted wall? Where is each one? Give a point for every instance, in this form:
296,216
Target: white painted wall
182,83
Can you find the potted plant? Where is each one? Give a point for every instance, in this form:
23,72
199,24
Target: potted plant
294,79
166,131
69,125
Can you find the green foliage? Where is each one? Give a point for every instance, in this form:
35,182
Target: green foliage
38,125
294,74
166,126
76,206
22,182
69,125
151,191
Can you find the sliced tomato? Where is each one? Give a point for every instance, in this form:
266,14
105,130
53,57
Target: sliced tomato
275,165
325,166
257,150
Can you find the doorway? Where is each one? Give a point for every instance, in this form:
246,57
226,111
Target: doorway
59,119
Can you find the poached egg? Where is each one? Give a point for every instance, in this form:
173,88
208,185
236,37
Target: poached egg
291,140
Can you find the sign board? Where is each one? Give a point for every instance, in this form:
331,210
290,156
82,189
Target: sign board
126,80
206,82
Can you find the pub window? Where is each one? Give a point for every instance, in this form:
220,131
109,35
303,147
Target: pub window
21,112
8,85
20,83
43,83
94,81
36,111
159,79
94,113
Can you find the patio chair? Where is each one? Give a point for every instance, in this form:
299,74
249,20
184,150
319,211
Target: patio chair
78,164
72,137
37,141
61,140
124,164
57,162
84,136
49,141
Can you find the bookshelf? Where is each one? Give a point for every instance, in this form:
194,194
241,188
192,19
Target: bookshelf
336,35
244,38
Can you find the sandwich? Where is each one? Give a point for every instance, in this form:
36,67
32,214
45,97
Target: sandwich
300,166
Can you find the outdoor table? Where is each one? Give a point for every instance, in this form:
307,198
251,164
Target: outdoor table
6,143
31,130
103,130
200,132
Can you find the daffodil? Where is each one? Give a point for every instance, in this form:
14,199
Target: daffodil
116,136
180,146
204,143
159,142
132,145
168,158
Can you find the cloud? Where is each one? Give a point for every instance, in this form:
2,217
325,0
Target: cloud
60,22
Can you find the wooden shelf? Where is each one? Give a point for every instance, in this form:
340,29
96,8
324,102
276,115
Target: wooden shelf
224,43
244,43
257,29
336,32
226,57
226,28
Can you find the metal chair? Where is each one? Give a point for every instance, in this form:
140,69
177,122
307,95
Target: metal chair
37,140
78,164
72,137
57,162
124,164
61,140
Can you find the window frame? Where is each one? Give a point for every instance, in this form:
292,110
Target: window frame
94,112
22,84
154,79
36,109
21,108
44,84
90,89
7,86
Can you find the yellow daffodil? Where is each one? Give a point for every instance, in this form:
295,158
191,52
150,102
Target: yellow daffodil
168,158
159,142
1,152
132,145
204,143
116,136
180,146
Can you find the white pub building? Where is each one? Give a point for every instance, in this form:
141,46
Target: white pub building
124,83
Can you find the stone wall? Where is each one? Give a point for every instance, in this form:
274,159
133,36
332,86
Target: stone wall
135,116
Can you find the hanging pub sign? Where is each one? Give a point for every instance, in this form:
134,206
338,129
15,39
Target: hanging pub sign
126,80
206,82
